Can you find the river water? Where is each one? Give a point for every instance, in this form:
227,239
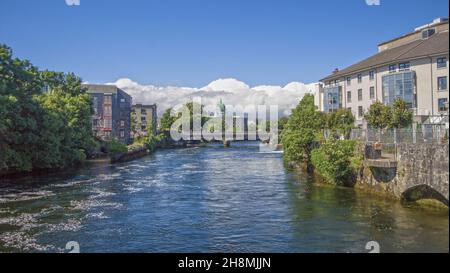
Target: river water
208,199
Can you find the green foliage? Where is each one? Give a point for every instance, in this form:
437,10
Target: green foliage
301,130
306,115
382,116
335,160
340,122
298,144
378,116
402,116
41,130
133,125
166,122
115,146
282,122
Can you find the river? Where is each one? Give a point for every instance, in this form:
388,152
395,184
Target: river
208,199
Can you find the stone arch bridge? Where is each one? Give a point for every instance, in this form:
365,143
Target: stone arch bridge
410,171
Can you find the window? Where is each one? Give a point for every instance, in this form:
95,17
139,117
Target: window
122,100
122,133
349,80
332,97
107,124
371,75
359,78
427,33
442,105
441,62
399,85
372,92
46,89
336,81
107,111
442,83
360,111
122,123
349,96
392,68
360,94
108,99
143,127
403,66
143,112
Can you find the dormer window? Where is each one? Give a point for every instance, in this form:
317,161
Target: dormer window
427,33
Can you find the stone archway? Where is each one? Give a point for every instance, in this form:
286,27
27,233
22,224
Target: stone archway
423,192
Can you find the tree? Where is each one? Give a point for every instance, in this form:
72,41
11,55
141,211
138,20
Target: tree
133,125
166,121
378,116
301,131
341,122
401,115
306,115
41,130
282,123
19,129
381,116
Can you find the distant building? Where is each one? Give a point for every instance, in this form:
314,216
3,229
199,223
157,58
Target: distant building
146,116
413,67
112,112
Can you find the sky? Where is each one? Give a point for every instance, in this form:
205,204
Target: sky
193,43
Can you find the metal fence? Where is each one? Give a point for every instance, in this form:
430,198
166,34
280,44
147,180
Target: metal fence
435,134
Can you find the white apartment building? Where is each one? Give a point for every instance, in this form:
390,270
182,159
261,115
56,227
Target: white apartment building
413,67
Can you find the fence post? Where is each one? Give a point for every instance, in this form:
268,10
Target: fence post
414,132
395,135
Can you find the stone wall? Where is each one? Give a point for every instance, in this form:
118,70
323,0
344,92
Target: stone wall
422,172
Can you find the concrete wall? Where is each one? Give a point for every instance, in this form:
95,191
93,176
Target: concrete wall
422,172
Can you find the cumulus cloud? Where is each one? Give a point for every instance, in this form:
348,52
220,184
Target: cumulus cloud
231,91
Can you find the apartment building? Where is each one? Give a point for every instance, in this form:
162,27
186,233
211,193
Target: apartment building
145,116
112,112
413,67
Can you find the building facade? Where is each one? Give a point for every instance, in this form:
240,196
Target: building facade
112,112
413,67
145,117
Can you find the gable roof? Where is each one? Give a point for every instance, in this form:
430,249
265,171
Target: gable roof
436,44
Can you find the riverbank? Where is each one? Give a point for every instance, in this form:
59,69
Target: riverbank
380,187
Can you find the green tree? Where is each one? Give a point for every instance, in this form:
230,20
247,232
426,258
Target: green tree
302,130
341,122
166,121
378,116
41,130
382,116
401,115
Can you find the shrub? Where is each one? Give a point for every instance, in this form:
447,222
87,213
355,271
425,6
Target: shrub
114,146
335,160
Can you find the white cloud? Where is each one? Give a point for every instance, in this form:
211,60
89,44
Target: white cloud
231,91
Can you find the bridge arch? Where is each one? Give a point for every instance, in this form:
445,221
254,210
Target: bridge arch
423,192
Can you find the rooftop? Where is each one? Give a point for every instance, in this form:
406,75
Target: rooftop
103,88
435,45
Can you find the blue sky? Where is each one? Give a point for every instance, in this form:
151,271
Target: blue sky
193,42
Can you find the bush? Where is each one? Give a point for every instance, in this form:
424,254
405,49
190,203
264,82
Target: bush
114,146
336,161
297,145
